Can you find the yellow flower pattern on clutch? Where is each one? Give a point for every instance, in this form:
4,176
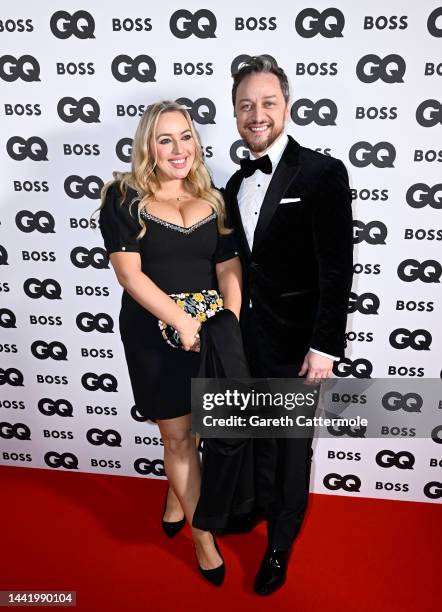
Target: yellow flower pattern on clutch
200,305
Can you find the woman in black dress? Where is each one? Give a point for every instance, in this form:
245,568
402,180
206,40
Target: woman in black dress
163,228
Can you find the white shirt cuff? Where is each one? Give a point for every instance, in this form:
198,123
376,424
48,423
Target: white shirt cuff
325,354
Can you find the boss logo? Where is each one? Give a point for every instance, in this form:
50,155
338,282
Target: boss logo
201,24
16,25
433,22
238,151
380,23
21,110
138,24
428,271
366,303
359,368
305,111
372,112
413,306
381,155
73,68
433,489
28,222
349,482
25,68
145,466
329,23
101,322
429,113
436,434
68,461
202,111
11,376
347,430
20,431
34,148
192,69
390,69
99,382
255,23
80,149
3,256
77,187
123,149
375,195
49,350
97,258
418,340
85,109
402,460
408,402
48,288
60,407
422,234
80,24
373,232
98,437
313,69
429,156
142,68
136,415
421,194
242,60
7,318
432,69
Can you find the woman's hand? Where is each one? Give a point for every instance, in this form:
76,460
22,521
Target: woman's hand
187,332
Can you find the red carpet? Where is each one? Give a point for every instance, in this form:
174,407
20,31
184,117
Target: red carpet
101,536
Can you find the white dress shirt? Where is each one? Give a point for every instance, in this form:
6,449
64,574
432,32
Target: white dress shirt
251,196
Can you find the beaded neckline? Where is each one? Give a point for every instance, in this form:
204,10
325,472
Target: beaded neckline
174,226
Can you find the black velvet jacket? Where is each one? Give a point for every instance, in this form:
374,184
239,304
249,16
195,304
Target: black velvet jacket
299,273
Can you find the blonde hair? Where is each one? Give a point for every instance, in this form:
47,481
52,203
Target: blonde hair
142,176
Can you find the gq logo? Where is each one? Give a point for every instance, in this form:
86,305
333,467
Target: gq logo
366,303
101,322
97,437
429,113
329,23
433,490
77,187
49,350
359,368
123,149
349,482
7,318
238,151
373,232
20,431
66,460
142,68
323,112
33,148
381,155
60,407
201,24
428,271
48,288
243,60
11,376
202,111
99,382
402,460
80,24
145,466
418,340
371,67
85,109
347,430
421,194
28,222
408,402
25,68
3,256
97,258
432,22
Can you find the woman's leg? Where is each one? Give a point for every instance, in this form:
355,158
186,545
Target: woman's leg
182,466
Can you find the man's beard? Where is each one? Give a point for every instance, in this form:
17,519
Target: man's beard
260,146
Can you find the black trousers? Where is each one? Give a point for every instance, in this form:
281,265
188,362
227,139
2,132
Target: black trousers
282,465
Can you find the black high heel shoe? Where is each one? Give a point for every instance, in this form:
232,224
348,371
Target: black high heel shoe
171,528
216,575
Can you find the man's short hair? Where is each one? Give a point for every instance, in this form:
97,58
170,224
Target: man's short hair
258,64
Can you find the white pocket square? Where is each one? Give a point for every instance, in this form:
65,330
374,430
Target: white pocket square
288,200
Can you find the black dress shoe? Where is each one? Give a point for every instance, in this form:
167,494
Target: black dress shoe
171,528
272,572
242,523
215,575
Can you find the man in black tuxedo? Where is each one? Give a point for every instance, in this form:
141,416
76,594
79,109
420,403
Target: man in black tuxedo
291,208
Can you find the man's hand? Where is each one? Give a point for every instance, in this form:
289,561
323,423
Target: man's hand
317,367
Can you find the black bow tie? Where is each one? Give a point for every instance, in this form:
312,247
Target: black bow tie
248,166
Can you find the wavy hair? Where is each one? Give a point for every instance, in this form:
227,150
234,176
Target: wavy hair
143,178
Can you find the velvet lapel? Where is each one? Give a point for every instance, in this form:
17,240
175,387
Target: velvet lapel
283,175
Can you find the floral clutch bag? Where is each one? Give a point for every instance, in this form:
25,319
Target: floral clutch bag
201,306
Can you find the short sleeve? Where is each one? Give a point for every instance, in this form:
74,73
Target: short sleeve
227,247
119,226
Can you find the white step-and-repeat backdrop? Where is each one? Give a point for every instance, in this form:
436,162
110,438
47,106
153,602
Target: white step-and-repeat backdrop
366,84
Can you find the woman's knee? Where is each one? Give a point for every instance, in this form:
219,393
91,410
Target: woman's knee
179,442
